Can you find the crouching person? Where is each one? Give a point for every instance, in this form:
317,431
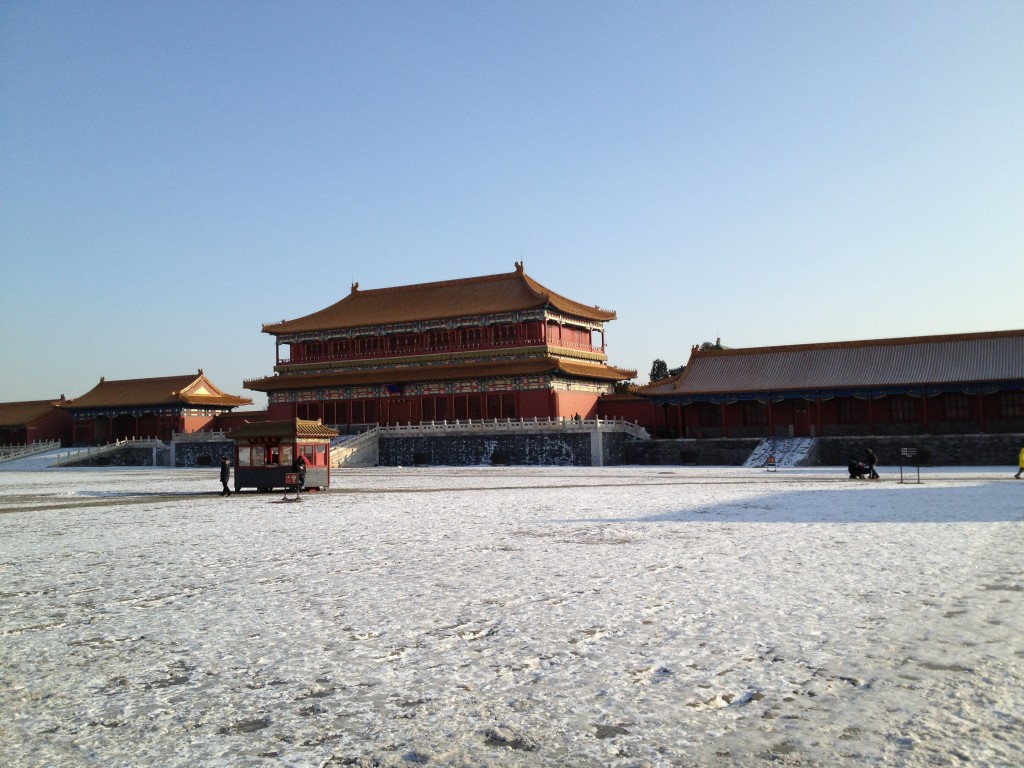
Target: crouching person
857,469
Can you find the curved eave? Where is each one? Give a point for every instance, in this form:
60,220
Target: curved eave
567,305
588,370
224,401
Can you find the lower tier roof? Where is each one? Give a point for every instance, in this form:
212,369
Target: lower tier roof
573,368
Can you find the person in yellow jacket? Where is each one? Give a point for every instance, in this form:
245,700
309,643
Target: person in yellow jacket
1020,464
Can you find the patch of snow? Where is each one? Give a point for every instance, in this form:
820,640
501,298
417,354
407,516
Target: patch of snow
510,616
787,451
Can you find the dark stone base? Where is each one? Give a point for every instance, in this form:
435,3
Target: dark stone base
570,450
985,450
126,456
932,450
202,453
716,452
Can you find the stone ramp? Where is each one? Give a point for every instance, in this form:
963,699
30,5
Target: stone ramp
787,451
362,450
16,452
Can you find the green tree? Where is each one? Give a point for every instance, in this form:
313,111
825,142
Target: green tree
708,345
659,369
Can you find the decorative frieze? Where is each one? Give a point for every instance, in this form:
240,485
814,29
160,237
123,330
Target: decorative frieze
447,323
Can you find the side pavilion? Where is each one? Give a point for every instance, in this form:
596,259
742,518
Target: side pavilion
156,407
34,421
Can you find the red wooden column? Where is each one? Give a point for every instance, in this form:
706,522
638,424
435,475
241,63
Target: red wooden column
725,423
981,412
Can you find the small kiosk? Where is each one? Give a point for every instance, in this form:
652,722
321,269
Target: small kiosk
265,451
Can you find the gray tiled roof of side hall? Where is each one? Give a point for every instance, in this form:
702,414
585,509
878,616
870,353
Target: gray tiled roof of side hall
889,362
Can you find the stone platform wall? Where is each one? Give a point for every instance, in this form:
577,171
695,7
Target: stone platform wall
468,450
933,450
206,453
126,456
718,452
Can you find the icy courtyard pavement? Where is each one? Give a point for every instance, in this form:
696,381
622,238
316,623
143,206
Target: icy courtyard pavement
499,617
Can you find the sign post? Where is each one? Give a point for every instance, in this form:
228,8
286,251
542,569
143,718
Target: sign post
906,455
291,481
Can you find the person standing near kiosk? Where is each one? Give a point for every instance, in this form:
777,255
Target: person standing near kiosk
299,465
225,476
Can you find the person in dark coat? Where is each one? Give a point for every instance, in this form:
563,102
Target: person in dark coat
872,462
299,466
857,469
225,476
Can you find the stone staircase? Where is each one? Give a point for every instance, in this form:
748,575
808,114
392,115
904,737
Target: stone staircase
787,451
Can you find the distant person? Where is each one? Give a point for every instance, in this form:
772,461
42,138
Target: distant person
225,476
872,462
299,467
857,469
1020,464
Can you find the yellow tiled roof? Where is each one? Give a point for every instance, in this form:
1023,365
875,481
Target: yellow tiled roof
490,294
24,413
191,389
293,428
366,376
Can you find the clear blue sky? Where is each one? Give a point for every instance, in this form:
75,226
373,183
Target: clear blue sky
175,174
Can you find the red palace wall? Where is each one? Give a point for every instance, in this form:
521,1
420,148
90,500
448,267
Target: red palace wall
198,423
527,404
571,404
56,426
228,422
951,413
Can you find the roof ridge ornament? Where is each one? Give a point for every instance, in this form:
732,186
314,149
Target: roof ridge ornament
355,287
520,267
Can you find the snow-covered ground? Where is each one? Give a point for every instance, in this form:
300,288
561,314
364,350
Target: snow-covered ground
637,616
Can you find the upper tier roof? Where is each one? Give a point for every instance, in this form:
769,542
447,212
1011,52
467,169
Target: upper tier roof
190,389
918,361
509,292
